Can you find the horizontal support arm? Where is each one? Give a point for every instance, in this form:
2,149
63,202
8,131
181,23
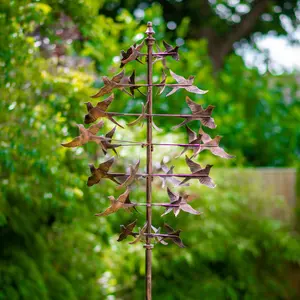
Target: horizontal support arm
153,84
159,54
153,235
159,175
156,115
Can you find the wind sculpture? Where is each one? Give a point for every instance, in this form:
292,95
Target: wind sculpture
197,142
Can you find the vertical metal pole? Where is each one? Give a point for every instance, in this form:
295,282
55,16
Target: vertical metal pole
150,41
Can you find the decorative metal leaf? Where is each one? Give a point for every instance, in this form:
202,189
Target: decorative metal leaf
117,82
181,80
131,178
101,172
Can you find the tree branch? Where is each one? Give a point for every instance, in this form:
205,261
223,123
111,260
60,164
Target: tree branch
248,22
220,47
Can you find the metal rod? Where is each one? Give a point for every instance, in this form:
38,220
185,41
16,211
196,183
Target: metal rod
160,234
159,175
155,204
159,54
156,115
150,41
132,143
154,84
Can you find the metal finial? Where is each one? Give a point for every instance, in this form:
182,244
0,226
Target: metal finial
149,30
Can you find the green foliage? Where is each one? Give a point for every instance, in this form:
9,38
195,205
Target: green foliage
51,245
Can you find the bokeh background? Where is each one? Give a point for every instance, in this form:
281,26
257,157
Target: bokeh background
246,243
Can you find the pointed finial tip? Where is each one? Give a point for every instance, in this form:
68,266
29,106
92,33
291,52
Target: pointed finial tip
149,30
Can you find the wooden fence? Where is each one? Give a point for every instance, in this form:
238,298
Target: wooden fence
273,183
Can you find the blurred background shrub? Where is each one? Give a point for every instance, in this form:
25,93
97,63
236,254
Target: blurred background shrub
52,56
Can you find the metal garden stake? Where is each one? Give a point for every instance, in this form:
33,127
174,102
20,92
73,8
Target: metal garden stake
197,142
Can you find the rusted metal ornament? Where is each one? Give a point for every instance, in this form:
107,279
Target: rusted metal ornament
199,113
101,172
182,81
86,135
203,173
115,205
181,202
